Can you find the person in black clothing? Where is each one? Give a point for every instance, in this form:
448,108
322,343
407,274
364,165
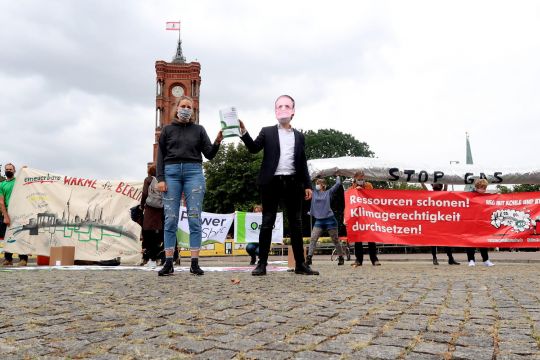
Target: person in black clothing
252,248
179,172
360,183
283,176
451,261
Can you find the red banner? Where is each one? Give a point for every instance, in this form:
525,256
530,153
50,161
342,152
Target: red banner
443,218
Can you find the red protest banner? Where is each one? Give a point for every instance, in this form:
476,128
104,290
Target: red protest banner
443,218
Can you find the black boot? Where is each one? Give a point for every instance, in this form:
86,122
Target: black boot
451,261
259,270
305,269
341,260
253,260
435,261
194,268
167,269
308,259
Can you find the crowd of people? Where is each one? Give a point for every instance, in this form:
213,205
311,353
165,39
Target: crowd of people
283,177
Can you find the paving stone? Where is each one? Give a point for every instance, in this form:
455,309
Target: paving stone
422,356
432,348
519,347
216,354
315,355
472,353
381,352
342,314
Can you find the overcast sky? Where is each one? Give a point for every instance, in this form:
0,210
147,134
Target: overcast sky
409,78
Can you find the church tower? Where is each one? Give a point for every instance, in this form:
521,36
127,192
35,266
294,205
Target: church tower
174,79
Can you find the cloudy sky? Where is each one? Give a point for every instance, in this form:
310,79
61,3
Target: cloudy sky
409,78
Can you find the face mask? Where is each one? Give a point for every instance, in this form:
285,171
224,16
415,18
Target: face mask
284,116
360,182
9,174
318,187
184,114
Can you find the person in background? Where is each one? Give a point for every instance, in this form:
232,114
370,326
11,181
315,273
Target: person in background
451,261
480,187
324,218
152,226
359,183
283,176
179,171
252,248
6,188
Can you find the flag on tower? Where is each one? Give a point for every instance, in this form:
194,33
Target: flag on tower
173,25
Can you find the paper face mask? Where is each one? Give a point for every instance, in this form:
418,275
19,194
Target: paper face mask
284,109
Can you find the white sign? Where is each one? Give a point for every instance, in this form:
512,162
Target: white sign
247,227
214,228
57,210
229,122
376,169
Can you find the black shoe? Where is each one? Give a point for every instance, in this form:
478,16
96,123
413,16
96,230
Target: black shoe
435,262
253,260
259,270
376,263
308,259
167,269
357,263
195,268
304,269
341,260
452,262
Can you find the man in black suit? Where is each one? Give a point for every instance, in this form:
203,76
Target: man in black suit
283,176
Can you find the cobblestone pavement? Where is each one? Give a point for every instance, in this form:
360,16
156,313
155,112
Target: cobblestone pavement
395,311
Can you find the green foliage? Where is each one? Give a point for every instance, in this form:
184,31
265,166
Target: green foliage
330,143
518,188
401,186
231,180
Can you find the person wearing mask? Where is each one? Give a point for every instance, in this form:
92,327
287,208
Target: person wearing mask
359,183
6,188
252,248
324,218
451,261
179,171
283,176
480,187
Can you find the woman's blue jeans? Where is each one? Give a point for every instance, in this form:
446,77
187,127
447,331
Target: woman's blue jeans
186,178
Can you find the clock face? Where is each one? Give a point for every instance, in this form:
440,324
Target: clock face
177,91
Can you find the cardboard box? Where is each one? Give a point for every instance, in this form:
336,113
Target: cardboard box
291,263
62,256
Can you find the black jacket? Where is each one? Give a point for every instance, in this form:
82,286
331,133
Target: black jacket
183,143
268,140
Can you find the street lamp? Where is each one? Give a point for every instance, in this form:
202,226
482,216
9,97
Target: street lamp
453,162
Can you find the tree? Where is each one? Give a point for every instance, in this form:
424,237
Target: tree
231,180
330,143
518,188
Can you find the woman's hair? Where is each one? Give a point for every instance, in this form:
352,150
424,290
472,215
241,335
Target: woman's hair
483,183
177,102
152,170
359,173
257,208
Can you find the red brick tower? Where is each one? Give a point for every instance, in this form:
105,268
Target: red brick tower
173,80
